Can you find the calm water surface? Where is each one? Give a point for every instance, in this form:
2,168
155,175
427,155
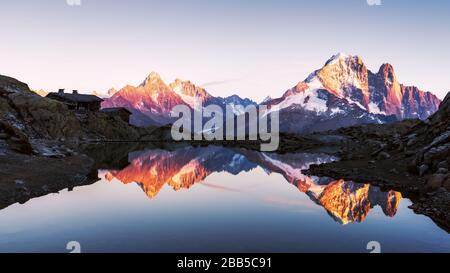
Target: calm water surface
218,200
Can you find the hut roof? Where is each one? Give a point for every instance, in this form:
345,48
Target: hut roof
76,97
115,109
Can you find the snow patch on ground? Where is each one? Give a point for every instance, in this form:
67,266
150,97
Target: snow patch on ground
335,111
374,109
357,103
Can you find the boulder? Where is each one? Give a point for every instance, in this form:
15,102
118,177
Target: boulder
383,155
442,164
446,183
16,140
435,181
443,113
49,118
423,169
437,153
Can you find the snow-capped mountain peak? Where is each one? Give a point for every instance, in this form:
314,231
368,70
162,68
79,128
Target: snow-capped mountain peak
338,57
344,89
185,87
346,76
190,93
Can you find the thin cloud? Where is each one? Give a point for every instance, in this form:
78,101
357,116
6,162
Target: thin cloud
219,187
222,82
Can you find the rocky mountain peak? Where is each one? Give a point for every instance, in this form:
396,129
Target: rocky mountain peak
233,97
112,91
386,72
152,79
236,100
343,58
346,76
187,88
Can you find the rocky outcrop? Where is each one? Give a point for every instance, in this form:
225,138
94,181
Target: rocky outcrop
40,92
25,177
26,116
35,116
100,126
15,139
431,141
44,117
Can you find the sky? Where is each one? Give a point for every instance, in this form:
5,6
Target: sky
253,48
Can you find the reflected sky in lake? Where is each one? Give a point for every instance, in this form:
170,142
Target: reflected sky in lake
218,200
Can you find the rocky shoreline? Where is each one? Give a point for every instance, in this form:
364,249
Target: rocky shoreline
412,157
25,177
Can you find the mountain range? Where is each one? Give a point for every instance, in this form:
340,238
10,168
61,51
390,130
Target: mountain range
342,93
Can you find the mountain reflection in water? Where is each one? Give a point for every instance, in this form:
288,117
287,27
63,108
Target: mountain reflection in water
345,201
